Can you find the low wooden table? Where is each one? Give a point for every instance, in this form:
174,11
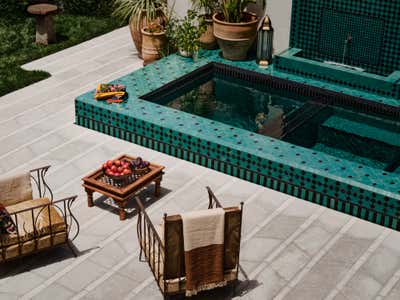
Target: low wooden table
96,182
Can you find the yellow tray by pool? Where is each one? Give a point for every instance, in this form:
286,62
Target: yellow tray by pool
99,95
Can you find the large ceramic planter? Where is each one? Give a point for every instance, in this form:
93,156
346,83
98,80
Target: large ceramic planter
152,43
235,39
207,39
136,29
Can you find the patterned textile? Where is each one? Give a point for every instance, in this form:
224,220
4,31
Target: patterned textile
6,223
203,242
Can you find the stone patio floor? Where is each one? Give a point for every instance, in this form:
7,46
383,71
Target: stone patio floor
291,249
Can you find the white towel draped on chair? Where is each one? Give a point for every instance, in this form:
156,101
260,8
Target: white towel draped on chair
203,236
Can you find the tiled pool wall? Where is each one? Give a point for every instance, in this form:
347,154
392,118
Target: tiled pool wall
384,86
142,122
334,194
318,25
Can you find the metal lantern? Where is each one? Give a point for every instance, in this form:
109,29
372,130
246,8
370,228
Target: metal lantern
265,40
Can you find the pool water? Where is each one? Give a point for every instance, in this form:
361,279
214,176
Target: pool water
367,139
236,105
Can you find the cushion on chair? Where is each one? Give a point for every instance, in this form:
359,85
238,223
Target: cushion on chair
15,189
43,217
29,246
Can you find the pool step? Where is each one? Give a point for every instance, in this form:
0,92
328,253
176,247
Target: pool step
361,139
394,166
363,130
297,118
349,156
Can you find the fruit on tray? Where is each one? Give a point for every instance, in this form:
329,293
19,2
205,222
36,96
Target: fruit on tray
117,167
139,163
106,88
110,91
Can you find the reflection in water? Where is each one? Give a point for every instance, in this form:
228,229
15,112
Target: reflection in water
237,105
343,132
304,121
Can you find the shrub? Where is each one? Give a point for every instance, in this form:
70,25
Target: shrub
184,33
102,8
13,8
15,36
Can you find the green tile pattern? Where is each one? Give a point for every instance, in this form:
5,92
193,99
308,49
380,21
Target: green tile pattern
362,19
311,175
318,31
364,130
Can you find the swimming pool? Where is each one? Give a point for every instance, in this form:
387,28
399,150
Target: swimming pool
310,120
322,172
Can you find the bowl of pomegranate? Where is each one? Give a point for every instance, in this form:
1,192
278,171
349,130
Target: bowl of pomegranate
139,166
118,172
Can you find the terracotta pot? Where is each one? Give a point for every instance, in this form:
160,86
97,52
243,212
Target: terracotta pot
235,39
136,29
207,39
152,43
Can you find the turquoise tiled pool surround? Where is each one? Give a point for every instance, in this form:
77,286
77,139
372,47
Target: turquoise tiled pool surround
319,29
359,190
297,113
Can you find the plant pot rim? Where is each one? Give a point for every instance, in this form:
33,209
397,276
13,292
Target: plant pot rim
152,33
216,20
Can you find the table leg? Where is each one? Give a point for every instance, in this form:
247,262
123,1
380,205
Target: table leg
157,187
89,197
121,205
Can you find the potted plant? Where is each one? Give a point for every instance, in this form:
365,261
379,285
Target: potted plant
139,13
154,40
185,33
208,7
235,29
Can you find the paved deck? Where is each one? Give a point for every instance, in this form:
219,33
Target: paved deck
291,249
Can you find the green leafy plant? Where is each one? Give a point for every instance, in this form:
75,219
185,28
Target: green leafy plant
17,47
232,10
132,10
207,6
13,9
184,33
169,46
87,7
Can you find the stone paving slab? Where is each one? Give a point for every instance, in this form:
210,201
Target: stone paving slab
291,249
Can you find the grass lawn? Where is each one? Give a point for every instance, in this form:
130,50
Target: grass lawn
17,46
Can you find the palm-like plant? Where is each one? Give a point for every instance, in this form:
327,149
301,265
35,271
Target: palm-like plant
209,6
133,10
233,9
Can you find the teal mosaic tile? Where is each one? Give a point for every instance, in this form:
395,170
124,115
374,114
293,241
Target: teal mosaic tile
311,175
319,29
